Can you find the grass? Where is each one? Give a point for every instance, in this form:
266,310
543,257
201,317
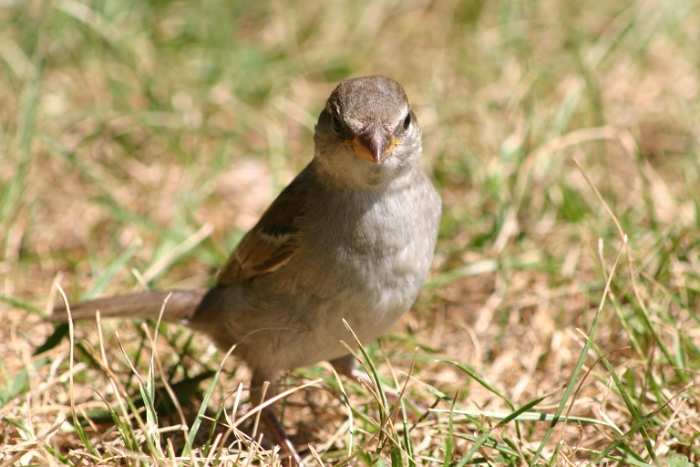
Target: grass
140,139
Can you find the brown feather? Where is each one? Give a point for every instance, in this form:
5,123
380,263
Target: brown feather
181,305
272,242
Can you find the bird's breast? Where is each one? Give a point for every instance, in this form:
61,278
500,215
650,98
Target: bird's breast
377,257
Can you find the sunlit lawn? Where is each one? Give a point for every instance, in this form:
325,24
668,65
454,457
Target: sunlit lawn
140,139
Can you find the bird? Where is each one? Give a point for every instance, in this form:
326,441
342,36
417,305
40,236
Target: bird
350,240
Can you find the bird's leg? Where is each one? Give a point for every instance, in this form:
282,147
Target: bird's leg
347,366
268,417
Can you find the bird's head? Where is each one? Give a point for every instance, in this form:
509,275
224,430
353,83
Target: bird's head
367,134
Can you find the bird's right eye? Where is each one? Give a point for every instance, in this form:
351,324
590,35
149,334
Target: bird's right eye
336,123
407,121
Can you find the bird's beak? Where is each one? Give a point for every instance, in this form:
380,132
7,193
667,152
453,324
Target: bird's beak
374,144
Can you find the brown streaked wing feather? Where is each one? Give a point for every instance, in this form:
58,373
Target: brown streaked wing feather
272,242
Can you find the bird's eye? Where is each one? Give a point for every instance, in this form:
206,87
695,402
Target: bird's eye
407,121
336,123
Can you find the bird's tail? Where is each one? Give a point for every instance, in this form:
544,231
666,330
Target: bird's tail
180,305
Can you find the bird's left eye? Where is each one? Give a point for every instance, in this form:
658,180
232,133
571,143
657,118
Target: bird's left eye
407,121
335,123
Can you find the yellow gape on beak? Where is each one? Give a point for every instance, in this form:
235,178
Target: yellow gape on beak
374,144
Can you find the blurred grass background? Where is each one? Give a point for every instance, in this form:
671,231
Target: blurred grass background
140,139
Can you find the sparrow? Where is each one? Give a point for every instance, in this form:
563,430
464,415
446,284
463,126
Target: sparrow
351,239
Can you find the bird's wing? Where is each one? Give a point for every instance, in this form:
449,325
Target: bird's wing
273,241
